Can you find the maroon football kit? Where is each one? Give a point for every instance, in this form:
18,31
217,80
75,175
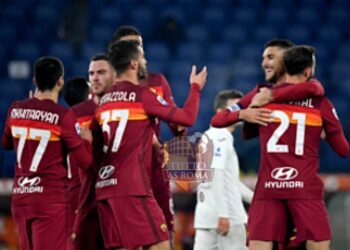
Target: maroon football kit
87,233
42,134
125,121
299,91
160,185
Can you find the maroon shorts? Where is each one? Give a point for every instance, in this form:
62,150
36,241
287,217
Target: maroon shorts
269,220
131,221
161,191
87,232
42,227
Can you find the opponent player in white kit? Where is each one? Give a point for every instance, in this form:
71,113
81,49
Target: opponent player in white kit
220,216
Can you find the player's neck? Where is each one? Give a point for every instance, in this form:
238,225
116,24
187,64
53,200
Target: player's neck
44,95
128,77
295,79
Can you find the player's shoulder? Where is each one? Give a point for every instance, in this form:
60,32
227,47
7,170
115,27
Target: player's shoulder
84,108
154,79
217,135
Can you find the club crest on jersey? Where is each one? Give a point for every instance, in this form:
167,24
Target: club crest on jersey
162,101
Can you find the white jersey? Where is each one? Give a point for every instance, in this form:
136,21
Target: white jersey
222,197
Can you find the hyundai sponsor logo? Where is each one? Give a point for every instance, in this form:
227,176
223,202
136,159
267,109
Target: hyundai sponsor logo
284,173
106,172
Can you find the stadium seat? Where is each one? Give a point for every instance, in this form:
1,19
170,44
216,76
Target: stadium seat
329,34
197,33
176,12
27,51
265,33
235,34
298,34
213,18
111,16
157,51
101,34
90,49
8,35
245,17
277,18
343,52
189,51
143,19
61,50
220,52
307,17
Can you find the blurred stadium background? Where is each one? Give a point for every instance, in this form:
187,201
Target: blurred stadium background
226,35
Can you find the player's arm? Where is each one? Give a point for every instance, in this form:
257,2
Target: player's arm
333,129
79,149
7,140
247,194
168,97
312,88
97,142
234,114
156,106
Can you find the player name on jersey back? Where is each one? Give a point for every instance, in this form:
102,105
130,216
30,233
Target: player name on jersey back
118,96
35,115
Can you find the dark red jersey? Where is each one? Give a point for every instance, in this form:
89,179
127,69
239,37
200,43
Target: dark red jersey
158,84
289,148
311,88
42,133
125,122
87,177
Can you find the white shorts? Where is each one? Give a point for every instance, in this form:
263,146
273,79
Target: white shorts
209,239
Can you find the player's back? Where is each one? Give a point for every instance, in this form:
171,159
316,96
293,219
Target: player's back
127,142
38,128
289,150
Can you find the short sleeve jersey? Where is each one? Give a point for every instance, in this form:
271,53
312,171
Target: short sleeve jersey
41,132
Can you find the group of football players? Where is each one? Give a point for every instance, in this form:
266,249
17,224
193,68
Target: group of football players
90,176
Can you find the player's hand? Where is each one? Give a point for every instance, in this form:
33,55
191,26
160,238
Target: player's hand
224,226
323,134
199,78
86,134
259,116
262,98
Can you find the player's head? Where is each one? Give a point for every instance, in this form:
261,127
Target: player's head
101,74
127,33
128,56
226,98
272,59
48,73
300,60
76,90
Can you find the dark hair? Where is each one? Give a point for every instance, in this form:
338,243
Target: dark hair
121,53
100,57
281,43
47,71
223,96
75,91
125,30
298,58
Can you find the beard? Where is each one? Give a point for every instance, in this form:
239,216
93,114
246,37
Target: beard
275,77
142,73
